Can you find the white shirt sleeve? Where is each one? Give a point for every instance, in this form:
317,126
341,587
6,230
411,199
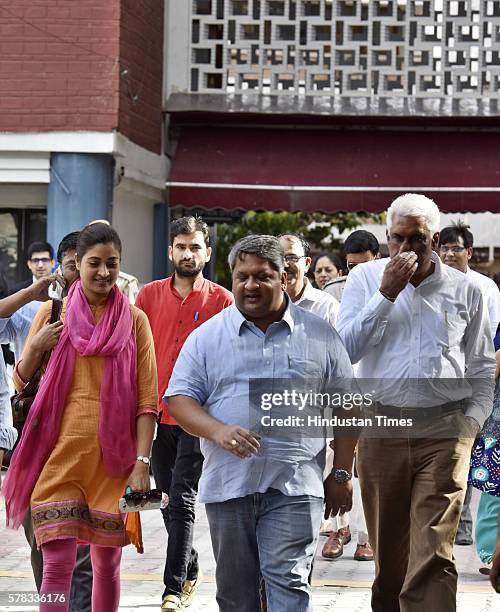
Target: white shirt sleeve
8,434
11,327
479,363
333,311
362,317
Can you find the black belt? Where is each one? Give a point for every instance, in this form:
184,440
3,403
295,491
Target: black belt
419,413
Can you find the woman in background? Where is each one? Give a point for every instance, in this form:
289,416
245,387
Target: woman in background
326,267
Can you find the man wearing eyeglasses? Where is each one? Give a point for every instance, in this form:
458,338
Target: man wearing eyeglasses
455,250
40,263
298,286
359,247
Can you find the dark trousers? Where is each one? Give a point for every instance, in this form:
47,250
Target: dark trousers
177,463
80,599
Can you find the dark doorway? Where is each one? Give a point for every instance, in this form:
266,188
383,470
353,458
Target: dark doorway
19,227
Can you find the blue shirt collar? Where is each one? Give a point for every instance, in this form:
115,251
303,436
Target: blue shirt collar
239,319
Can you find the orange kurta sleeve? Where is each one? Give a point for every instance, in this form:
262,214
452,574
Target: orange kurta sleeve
147,379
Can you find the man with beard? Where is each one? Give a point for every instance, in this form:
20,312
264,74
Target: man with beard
175,307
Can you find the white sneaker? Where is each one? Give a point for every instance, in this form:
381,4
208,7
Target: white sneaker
190,588
171,602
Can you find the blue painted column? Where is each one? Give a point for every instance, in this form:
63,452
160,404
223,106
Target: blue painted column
80,191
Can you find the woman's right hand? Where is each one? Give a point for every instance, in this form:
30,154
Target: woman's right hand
45,339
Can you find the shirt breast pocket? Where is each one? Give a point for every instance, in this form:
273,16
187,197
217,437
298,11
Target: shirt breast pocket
303,368
452,329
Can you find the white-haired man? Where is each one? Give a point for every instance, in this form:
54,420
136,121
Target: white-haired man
415,324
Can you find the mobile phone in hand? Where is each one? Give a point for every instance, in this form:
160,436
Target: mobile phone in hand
136,501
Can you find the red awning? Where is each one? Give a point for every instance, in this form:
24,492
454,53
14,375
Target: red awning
333,170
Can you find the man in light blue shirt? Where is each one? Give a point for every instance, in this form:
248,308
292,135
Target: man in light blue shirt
263,495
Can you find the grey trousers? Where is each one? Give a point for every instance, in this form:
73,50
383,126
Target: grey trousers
80,599
465,524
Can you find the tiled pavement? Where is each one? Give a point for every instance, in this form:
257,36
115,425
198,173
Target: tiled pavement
339,586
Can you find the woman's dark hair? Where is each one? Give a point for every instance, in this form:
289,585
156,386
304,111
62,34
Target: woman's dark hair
97,233
336,260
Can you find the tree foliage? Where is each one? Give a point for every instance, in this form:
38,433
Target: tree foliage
315,227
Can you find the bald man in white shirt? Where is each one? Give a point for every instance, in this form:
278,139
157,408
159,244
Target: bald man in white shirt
299,287
414,323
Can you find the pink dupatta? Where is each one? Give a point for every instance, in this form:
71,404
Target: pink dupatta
113,339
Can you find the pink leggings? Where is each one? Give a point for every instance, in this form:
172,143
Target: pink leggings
59,558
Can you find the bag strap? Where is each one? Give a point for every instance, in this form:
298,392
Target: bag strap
55,315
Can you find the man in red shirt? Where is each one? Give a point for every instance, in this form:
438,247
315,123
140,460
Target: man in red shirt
175,307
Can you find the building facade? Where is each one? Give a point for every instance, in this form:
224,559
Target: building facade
120,110
333,104
81,124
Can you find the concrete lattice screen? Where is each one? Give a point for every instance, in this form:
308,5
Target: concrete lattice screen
364,51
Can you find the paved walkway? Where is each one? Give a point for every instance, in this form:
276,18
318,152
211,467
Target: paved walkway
339,586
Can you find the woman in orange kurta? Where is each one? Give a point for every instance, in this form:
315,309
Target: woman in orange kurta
92,457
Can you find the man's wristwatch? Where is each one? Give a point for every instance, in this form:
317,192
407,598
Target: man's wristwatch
144,459
341,475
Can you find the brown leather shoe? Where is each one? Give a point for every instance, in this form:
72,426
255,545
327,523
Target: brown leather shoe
334,546
364,552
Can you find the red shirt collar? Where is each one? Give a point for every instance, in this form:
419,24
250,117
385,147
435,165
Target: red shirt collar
197,285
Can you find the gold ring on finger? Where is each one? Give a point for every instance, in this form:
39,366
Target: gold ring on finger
234,442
